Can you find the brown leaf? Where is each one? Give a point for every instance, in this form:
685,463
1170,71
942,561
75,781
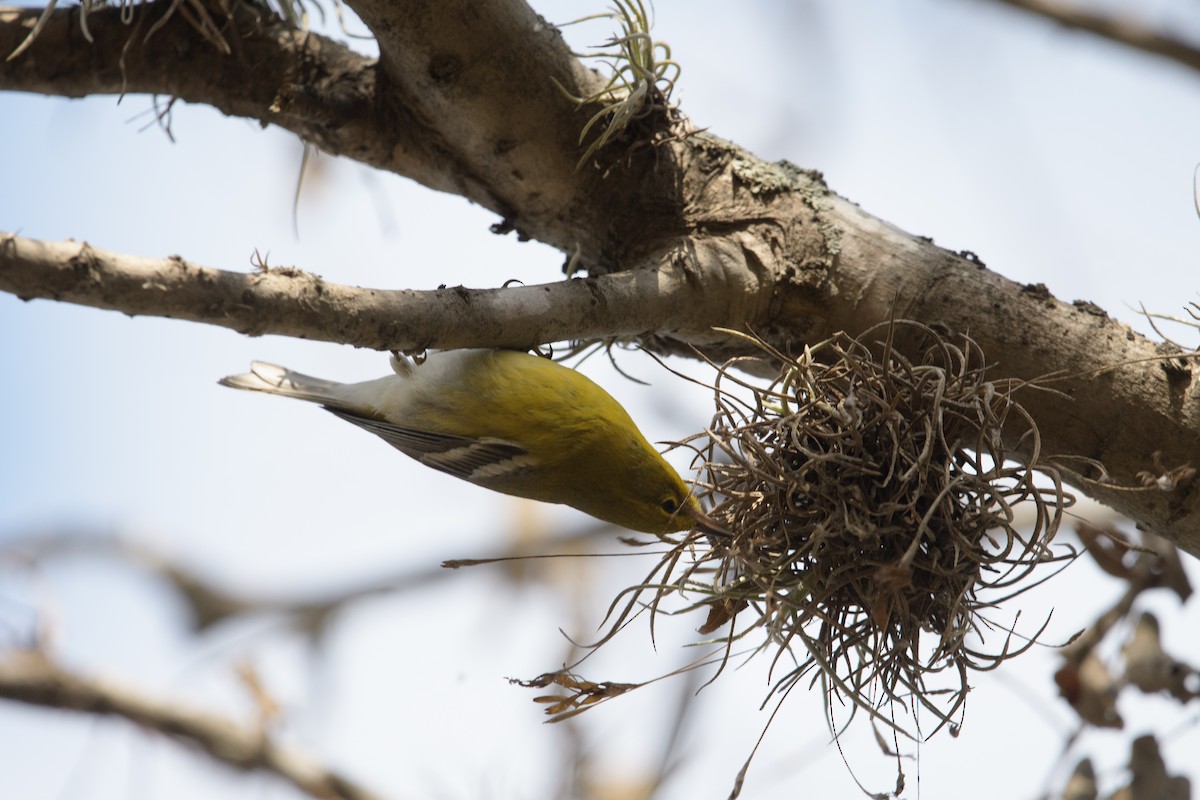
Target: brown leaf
720,611
1106,548
1091,691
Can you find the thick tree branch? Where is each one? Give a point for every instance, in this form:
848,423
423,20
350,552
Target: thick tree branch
480,79
1123,31
31,677
276,74
465,99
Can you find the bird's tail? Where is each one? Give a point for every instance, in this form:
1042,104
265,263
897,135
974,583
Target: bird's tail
274,379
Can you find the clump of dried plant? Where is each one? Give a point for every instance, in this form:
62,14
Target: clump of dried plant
870,502
869,505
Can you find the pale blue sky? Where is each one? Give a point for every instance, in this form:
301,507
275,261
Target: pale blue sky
1054,156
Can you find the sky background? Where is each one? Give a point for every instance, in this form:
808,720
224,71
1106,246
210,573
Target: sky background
1056,157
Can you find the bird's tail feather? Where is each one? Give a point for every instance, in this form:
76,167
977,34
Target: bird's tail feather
274,379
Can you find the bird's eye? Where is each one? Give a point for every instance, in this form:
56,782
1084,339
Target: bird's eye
669,505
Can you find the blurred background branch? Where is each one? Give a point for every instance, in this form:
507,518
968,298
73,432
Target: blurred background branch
30,676
1119,25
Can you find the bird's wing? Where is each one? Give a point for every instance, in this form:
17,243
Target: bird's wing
477,460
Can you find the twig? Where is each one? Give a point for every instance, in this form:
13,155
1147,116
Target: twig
1122,31
211,604
31,677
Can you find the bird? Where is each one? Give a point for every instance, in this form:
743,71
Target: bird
509,421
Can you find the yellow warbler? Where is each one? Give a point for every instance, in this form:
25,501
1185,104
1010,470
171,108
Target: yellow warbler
512,422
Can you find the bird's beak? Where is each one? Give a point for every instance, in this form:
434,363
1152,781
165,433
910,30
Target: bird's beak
706,523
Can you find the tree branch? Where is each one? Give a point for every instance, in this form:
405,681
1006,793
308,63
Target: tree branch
209,604
30,677
482,78
290,302
276,74
1121,31
463,99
